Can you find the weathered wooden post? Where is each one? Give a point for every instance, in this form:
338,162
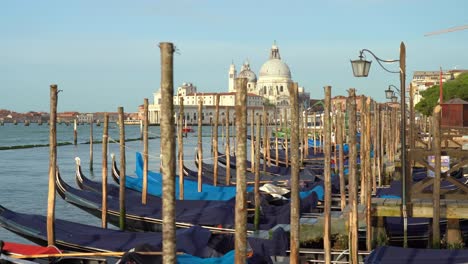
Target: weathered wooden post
295,200
215,145
353,199
327,171
228,151
436,117
340,163
122,175
276,141
257,174
363,171
105,141
91,145
168,152
286,157
144,190
368,182
241,156
200,145
52,165
75,133
252,140
181,149
266,141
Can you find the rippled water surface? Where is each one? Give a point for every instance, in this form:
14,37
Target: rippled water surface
24,172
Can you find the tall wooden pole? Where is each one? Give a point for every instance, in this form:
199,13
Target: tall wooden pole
327,171
257,174
406,186
228,150
105,141
52,165
436,117
144,190
368,182
286,158
295,200
91,145
266,140
215,145
353,198
200,145
340,163
122,169
75,133
168,152
252,141
181,149
241,156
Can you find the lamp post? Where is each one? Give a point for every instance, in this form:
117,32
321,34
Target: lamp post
361,68
389,93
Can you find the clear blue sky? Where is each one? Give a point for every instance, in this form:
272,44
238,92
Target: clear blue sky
105,54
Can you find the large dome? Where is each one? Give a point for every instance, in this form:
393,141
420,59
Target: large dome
275,68
250,75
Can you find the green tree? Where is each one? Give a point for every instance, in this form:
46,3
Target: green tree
457,88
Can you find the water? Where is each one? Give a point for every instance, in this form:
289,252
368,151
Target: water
24,172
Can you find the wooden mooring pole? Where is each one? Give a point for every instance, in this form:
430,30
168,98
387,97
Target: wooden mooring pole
295,200
91,145
257,173
215,143
327,171
75,133
200,145
52,165
436,117
353,190
144,190
241,156
168,152
228,150
105,141
180,143
122,175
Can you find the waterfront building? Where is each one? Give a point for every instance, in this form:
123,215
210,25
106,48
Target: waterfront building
426,79
269,91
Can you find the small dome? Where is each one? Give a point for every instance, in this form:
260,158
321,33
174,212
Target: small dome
250,75
275,68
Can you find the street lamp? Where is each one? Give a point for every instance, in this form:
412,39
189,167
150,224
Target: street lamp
361,68
389,93
394,99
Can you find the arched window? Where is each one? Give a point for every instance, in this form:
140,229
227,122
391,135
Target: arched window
281,88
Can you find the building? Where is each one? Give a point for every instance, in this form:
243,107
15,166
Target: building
454,113
269,91
191,100
273,80
426,79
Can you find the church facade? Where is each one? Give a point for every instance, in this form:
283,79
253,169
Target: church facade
268,92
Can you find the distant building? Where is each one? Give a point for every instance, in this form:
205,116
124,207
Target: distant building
426,79
270,90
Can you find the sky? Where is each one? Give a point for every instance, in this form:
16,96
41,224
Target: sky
104,54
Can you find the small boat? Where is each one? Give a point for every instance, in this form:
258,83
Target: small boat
187,129
72,236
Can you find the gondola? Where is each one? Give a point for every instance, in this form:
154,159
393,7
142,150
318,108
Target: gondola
214,215
209,191
196,241
271,215
305,174
72,236
154,180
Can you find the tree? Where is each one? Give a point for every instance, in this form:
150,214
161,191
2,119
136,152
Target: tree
457,88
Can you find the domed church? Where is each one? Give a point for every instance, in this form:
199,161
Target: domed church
273,79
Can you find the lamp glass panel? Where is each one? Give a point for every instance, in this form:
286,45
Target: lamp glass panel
360,67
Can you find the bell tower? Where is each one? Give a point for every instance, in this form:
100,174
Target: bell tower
232,76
